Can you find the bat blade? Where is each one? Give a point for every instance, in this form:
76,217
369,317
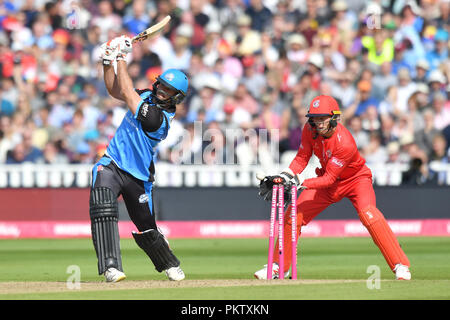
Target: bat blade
153,31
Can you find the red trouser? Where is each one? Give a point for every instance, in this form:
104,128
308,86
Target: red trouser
359,190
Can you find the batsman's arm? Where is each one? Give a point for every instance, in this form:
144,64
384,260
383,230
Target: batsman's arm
126,89
111,82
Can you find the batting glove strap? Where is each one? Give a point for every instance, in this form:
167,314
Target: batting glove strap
120,56
108,52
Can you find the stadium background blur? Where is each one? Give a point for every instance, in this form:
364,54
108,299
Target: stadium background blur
252,65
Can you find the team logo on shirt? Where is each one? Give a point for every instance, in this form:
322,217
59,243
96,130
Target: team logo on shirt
328,154
143,198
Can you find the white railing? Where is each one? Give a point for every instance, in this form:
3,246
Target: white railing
168,175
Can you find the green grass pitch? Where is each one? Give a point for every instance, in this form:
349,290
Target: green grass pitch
222,269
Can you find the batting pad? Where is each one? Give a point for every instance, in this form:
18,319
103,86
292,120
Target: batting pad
383,236
156,247
103,210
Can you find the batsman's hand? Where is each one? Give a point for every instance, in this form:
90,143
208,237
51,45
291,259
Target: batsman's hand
108,52
124,47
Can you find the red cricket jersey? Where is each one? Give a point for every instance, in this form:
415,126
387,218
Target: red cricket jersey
338,155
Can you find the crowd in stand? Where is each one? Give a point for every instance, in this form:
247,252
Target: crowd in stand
252,65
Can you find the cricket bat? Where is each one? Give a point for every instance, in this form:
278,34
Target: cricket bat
152,32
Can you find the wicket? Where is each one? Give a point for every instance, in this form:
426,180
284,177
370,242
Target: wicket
278,191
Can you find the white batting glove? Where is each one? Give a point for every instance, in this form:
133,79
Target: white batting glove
124,47
108,52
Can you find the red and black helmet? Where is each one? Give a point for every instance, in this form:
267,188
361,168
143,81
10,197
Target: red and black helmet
322,106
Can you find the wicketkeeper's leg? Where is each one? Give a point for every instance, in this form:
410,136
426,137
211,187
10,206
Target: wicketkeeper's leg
362,195
383,236
287,235
309,204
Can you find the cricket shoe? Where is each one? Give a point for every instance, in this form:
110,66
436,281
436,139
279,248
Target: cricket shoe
175,274
402,272
114,275
262,274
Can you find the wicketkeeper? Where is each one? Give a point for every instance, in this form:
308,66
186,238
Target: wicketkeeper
127,167
343,174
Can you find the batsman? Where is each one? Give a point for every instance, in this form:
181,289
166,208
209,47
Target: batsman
127,168
343,174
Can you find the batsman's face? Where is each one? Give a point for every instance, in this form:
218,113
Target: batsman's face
164,92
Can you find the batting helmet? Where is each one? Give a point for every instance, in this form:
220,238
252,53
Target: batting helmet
174,79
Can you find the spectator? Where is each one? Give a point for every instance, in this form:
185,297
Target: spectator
394,154
363,100
375,152
261,17
296,49
244,100
388,129
439,155
441,113
436,82
422,68
180,56
361,137
424,137
252,78
314,68
269,60
380,48
52,156
248,41
439,53
343,89
210,99
138,20
404,90
106,20
24,151
383,80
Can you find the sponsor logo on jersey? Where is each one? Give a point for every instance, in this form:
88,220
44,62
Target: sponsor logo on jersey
144,110
143,198
337,162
